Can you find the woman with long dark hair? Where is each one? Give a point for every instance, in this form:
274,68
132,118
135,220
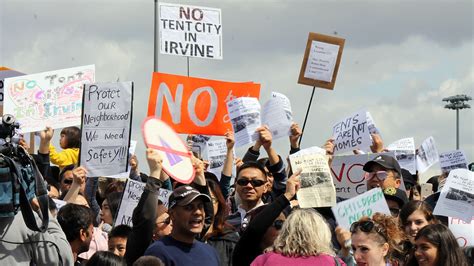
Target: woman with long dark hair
414,216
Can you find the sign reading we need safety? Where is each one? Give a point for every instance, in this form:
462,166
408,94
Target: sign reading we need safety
194,105
190,31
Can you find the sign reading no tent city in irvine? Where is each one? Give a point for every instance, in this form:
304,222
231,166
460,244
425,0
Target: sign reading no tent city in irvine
190,31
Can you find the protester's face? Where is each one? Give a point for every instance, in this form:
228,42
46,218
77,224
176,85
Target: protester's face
118,245
414,223
425,253
388,181
66,182
250,192
163,223
393,207
106,214
189,219
416,194
367,251
63,141
86,236
272,232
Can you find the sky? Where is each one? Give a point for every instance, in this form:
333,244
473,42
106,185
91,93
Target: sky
400,57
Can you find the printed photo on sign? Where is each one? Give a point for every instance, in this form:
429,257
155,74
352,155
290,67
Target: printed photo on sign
244,114
52,98
193,31
426,155
404,150
452,160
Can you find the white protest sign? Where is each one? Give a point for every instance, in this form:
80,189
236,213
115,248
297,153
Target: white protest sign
199,145
427,155
131,196
52,98
321,61
275,116
404,150
367,204
371,125
316,186
216,154
190,31
6,73
106,126
457,197
131,150
452,160
244,114
176,157
348,175
351,133
164,196
463,231
285,103
310,150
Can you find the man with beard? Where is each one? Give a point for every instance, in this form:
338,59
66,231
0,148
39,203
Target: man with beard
77,223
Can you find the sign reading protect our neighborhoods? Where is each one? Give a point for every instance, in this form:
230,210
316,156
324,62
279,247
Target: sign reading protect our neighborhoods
190,31
106,126
52,98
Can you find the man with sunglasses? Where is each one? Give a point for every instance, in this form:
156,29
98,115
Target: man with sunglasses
383,171
250,186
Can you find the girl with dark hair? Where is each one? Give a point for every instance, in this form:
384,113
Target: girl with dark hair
70,142
105,258
414,216
435,245
109,209
221,235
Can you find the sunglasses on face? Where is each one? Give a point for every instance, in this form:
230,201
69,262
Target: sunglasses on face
254,182
367,227
278,224
381,175
67,181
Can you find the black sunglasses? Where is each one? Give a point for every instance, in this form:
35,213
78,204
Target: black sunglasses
254,182
278,224
67,181
367,227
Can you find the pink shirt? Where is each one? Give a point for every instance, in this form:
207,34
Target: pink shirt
276,259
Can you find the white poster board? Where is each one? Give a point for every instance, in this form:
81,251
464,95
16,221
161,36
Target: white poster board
106,126
427,155
216,154
6,73
351,133
452,160
244,114
321,61
52,98
131,151
367,204
457,196
463,231
404,150
193,31
277,115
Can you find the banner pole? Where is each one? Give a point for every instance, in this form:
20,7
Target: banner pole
306,117
155,43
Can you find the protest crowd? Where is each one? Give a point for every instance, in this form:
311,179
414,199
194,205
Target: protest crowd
353,200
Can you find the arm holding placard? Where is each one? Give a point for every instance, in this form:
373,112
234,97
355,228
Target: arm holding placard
79,178
200,184
377,143
144,215
226,175
42,159
295,136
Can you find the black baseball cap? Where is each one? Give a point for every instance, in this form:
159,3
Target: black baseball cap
386,161
184,195
396,195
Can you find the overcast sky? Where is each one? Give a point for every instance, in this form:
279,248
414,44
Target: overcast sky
400,58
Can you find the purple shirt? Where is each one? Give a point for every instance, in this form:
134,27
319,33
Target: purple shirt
276,259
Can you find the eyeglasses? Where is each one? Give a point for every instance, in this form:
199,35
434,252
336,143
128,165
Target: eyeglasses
67,181
381,175
367,227
254,182
278,224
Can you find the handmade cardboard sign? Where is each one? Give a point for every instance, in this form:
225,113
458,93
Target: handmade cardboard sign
321,61
351,133
367,204
452,160
176,157
5,72
190,31
52,98
194,105
106,127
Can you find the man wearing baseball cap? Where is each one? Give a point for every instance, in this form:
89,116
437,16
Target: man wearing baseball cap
383,171
186,211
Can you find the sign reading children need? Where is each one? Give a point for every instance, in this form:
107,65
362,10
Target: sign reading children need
106,124
190,31
194,105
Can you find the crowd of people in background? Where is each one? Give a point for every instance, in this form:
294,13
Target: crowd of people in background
255,220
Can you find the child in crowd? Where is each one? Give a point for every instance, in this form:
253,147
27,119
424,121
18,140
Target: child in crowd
118,239
70,142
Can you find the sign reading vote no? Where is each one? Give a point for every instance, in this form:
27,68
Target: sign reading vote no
194,105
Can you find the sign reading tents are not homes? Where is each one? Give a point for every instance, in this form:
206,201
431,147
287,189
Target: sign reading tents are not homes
190,31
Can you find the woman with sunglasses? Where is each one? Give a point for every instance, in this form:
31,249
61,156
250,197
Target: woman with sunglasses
305,239
436,245
375,241
414,216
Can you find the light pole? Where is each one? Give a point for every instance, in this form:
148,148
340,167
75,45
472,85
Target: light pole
457,102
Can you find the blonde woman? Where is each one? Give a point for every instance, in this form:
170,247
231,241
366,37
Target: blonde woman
305,239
